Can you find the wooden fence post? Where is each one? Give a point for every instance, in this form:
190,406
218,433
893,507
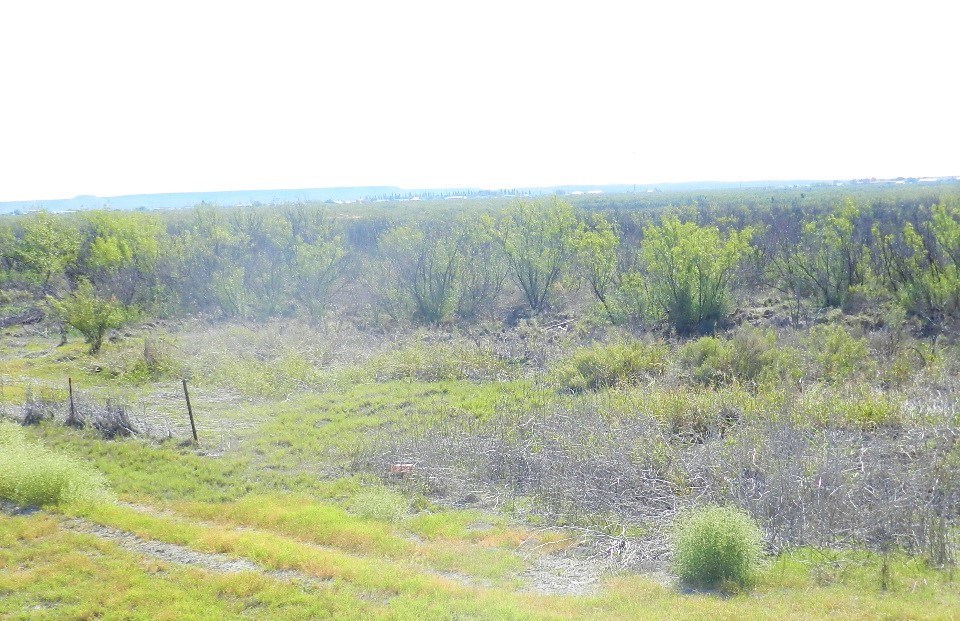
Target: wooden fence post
193,426
73,411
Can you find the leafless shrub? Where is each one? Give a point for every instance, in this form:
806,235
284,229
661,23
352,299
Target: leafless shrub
832,487
36,409
581,469
110,419
807,485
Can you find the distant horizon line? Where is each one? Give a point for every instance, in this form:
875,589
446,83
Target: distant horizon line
480,188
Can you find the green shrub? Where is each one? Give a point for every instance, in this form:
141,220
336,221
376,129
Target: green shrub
717,547
90,314
426,268
750,356
903,366
871,410
755,354
708,360
838,354
32,475
858,408
603,366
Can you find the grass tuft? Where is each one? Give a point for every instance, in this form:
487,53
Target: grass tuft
717,547
380,504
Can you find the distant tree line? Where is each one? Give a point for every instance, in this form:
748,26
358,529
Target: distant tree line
680,266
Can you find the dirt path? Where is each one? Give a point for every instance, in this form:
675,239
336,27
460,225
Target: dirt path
181,555
547,574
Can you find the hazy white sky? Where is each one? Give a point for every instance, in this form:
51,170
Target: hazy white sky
133,97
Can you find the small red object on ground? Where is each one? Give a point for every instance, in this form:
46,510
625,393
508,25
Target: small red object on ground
401,468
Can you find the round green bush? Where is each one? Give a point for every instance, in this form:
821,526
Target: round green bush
716,546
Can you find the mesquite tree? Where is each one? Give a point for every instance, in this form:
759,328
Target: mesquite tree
538,240
688,270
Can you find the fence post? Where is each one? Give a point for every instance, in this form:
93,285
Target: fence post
193,427
73,411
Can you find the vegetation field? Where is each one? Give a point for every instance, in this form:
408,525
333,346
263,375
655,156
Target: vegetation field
737,405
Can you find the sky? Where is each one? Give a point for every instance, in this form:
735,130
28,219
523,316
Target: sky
112,98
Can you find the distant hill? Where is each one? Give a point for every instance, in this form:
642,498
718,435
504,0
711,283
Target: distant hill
188,199
366,193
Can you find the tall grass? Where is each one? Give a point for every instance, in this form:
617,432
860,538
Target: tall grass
435,361
32,475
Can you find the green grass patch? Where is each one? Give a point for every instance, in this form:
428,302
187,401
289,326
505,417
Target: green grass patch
380,504
434,362
467,542
33,475
48,573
